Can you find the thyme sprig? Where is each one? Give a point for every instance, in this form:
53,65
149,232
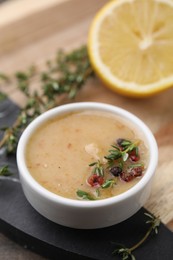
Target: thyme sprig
98,168
127,253
58,83
117,153
108,183
4,171
85,195
118,163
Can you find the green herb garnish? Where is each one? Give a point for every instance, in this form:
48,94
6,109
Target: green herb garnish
127,253
59,82
4,171
99,168
84,195
116,165
108,183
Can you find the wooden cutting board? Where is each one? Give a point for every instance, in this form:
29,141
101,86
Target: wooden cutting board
36,33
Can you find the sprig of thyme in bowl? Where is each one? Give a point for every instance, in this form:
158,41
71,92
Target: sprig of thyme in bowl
121,162
127,253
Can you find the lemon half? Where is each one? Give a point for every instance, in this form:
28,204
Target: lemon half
131,46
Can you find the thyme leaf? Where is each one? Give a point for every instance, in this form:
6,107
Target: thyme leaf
4,171
84,195
108,183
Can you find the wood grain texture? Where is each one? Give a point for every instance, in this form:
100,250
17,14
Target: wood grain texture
36,37
14,10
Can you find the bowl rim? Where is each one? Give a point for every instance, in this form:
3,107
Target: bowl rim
72,107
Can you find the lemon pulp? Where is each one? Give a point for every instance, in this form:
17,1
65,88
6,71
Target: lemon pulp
131,45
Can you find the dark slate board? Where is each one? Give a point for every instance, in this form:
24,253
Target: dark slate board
19,221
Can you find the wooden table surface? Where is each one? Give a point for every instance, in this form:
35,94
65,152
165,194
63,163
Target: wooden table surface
31,32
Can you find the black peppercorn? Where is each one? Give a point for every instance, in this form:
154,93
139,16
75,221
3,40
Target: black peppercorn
119,141
116,171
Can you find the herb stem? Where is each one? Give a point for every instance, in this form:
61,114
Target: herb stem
142,240
125,252
136,143
5,138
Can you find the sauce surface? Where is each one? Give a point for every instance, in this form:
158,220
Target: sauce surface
58,154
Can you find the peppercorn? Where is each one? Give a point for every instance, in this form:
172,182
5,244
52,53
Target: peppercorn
120,141
116,171
127,176
134,155
137,171
95,180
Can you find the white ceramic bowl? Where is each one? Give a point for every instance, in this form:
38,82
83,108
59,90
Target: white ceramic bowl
87,214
